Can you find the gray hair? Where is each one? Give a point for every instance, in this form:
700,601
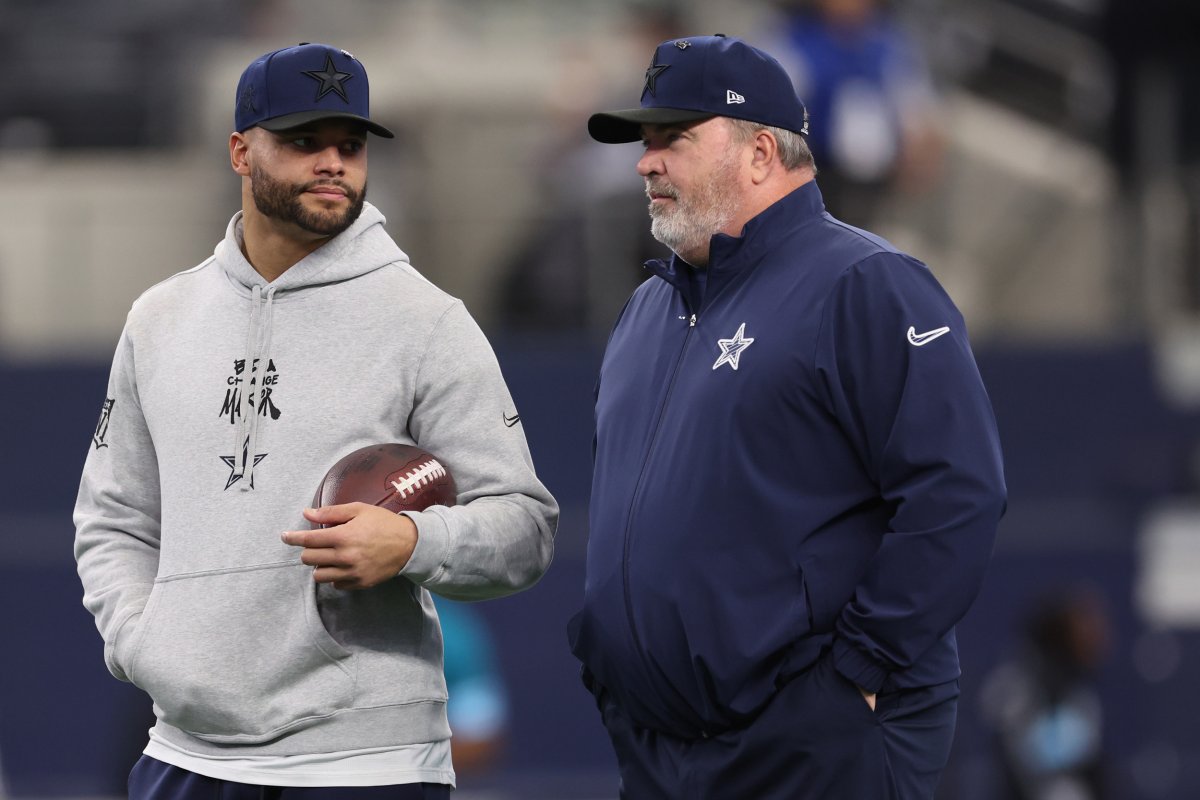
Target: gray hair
794,152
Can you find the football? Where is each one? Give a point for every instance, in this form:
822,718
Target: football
398,477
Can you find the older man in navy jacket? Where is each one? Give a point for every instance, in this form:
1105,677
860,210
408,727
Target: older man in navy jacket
797,473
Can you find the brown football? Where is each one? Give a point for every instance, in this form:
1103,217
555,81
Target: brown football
398,477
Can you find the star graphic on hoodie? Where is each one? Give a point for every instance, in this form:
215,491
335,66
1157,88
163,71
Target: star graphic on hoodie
234,475
330,79
731,349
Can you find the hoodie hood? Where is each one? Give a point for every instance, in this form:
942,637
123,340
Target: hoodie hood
363,247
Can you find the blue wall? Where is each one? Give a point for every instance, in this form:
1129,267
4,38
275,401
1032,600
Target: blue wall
1089,448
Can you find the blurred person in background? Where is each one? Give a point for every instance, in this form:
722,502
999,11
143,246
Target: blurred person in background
478,704
1154,142
797,474
294,652
876,124
582,255
1043,708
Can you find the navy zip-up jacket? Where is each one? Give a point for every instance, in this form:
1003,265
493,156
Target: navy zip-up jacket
804,460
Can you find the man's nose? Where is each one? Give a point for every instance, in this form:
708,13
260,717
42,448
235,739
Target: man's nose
329,161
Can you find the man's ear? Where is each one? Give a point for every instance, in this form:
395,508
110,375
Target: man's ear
765,157
239,153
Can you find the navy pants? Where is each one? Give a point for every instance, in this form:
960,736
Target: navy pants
153,780
816,740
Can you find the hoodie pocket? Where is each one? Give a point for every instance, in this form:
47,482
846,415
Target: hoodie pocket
240,656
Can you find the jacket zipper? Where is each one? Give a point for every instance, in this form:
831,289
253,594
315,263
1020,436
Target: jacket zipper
637,639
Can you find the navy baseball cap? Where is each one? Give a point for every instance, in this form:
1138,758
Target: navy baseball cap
707,76
298,85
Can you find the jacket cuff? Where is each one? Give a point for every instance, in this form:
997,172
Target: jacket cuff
857,667
428,558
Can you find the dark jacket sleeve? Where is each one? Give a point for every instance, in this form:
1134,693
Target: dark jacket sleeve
910,400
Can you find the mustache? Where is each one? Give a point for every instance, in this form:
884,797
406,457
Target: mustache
350,193
662,189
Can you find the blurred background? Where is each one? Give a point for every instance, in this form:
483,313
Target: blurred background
1042,156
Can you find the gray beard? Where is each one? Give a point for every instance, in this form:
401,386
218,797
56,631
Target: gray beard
688,227
689,234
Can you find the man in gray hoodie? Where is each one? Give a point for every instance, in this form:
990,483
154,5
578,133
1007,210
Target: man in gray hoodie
287,660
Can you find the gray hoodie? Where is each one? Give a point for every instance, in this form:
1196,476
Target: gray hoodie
228,400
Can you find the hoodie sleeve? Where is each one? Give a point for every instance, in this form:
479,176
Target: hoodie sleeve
499,539
902,382
117,514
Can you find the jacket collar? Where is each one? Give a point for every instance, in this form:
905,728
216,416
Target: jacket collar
730,254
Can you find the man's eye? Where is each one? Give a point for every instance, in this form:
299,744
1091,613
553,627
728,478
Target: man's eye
303,141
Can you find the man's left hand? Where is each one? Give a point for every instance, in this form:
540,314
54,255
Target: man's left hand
365,545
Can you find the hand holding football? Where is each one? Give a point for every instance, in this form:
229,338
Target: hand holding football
397,477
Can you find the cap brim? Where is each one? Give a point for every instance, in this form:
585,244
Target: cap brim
289,121
617,127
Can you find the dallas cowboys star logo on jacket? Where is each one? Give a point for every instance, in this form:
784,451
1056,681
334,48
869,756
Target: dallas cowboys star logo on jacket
732,349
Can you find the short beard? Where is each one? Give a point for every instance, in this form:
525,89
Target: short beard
688,227
281,201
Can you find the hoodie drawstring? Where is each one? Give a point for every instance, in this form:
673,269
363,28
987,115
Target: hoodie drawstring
258,349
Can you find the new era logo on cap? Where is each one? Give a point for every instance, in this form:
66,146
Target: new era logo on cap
689,80
299,85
